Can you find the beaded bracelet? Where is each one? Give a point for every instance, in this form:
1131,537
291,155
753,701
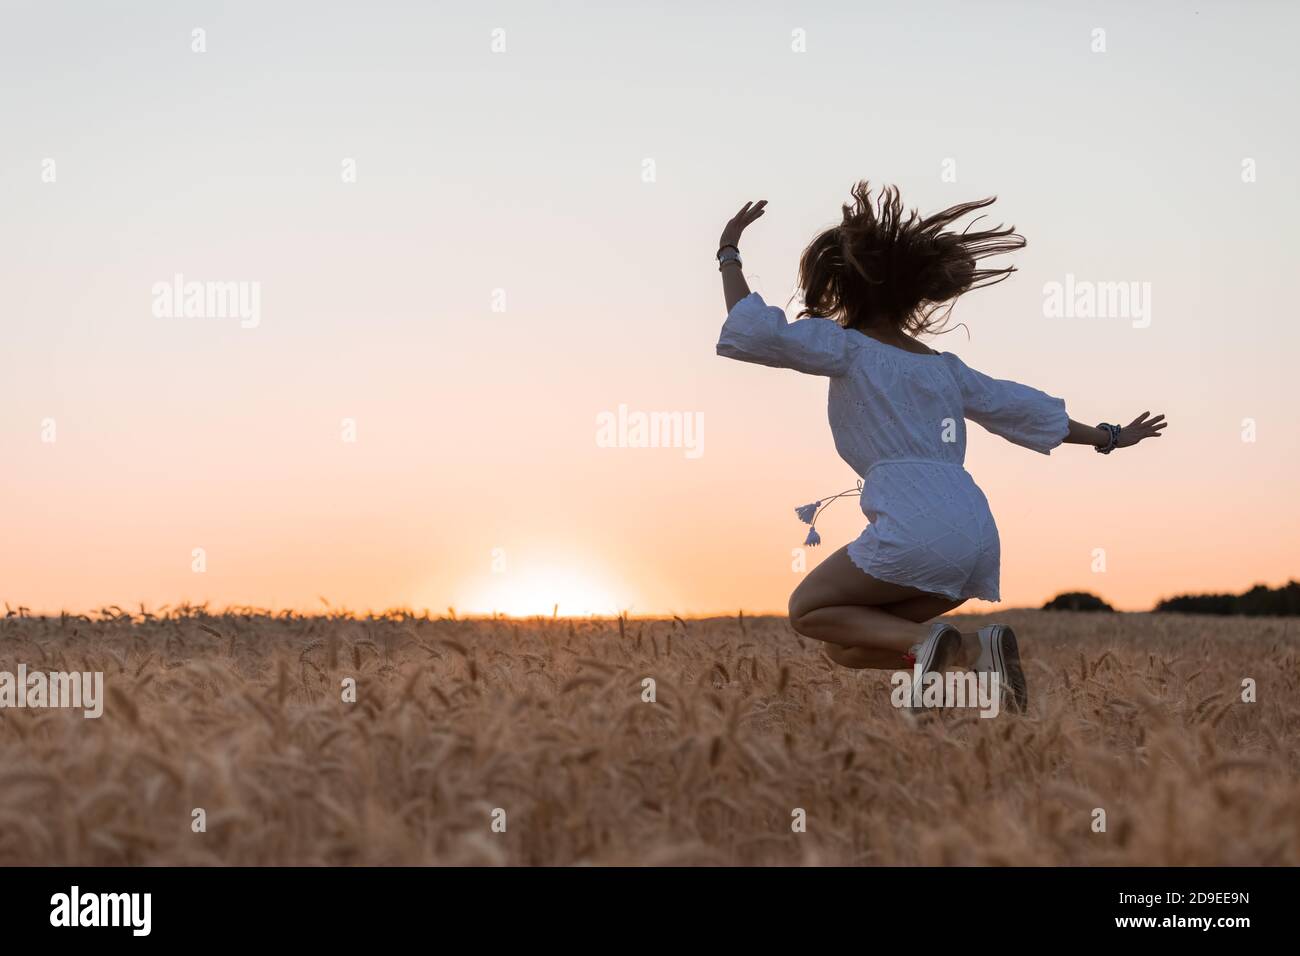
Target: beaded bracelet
1112,433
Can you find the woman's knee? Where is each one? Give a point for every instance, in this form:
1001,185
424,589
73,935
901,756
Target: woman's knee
799,609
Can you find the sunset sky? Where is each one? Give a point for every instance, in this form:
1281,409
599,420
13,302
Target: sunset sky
528,244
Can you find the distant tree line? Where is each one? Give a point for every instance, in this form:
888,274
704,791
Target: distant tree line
1258,601
1077,601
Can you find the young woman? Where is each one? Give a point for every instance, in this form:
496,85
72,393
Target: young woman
870,286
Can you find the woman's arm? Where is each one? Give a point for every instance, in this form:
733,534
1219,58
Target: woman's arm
1132,433
1081,434
759,333
734,286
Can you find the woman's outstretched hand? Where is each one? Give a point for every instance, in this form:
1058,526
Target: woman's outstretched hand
1140,428
748,213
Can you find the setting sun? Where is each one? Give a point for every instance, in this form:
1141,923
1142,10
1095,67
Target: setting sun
545,590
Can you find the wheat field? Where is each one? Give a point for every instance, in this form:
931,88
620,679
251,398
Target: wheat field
522,742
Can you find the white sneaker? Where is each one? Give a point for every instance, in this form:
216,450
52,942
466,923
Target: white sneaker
1000,653
933,655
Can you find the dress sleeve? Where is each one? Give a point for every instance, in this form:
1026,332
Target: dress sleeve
759,333
1018,413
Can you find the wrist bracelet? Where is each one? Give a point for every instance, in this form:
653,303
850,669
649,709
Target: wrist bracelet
1112,436
727,245
725,257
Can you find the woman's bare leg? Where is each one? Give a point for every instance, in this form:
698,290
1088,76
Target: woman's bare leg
864,621
931,606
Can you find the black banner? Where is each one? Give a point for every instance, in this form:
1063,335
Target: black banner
591,905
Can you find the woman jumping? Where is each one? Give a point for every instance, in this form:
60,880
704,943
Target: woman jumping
897,411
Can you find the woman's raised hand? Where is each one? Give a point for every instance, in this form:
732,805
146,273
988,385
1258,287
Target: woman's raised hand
1140,428
748,213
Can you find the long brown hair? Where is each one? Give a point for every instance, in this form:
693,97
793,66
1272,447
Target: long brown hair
878,267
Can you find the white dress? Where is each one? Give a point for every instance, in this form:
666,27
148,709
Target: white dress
898,419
